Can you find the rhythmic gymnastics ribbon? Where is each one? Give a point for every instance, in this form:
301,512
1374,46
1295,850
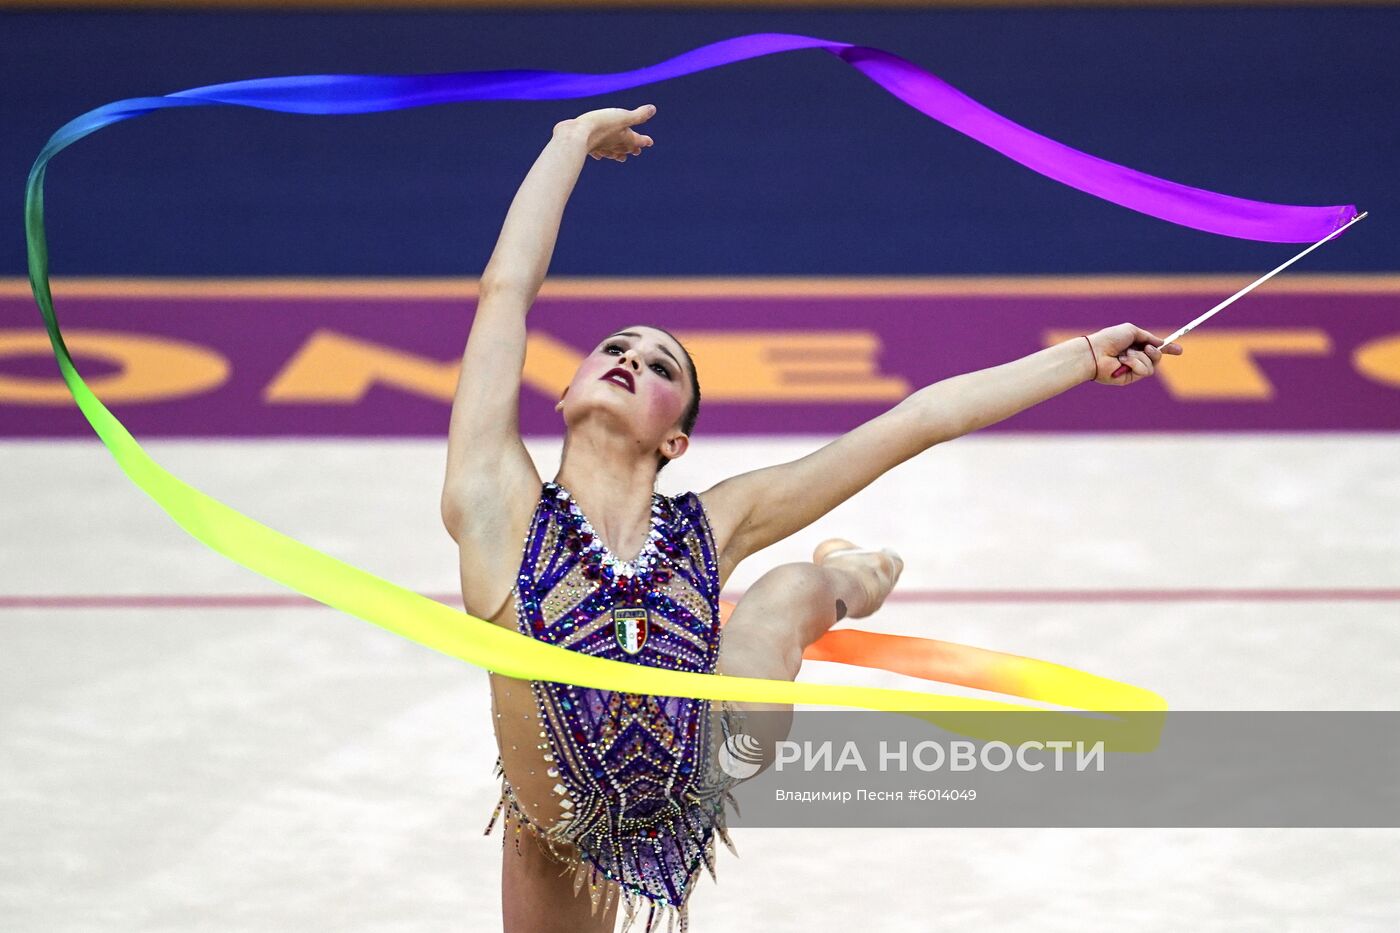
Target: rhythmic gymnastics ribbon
1136,714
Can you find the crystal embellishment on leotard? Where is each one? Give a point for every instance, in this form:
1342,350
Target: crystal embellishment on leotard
635,787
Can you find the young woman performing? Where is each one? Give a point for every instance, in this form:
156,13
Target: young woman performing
608,784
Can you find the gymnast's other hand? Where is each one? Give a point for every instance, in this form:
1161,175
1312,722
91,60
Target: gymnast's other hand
608,132
1127,345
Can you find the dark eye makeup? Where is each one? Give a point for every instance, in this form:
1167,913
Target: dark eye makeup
661,368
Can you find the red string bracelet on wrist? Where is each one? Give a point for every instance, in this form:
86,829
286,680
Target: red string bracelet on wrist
1092,357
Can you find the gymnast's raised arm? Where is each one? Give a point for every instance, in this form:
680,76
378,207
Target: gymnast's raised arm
487,463
767,505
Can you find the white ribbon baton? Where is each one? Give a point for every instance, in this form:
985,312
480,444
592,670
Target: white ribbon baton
1246,290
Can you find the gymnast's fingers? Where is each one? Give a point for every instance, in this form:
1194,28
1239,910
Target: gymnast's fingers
1138,362
1145,337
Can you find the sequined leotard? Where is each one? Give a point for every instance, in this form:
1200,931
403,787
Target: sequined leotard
641,798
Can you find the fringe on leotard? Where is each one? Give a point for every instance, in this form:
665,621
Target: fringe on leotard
603,889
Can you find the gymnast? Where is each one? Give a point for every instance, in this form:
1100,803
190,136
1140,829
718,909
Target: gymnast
609,785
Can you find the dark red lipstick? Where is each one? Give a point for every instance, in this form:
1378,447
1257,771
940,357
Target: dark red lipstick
619,376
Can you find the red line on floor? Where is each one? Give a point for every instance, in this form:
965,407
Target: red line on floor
294,600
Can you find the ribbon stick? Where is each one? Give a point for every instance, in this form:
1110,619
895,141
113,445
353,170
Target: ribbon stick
1137,714
1244,291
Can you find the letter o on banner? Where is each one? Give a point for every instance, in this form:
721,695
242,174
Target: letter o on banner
1379,360
152,369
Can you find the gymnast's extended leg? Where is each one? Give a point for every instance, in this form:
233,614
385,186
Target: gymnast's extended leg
793,605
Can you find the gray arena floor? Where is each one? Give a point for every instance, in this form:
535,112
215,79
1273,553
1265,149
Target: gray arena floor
184,746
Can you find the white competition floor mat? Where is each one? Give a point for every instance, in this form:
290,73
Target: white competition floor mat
186,746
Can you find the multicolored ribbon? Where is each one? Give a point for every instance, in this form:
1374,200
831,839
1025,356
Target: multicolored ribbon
1138,713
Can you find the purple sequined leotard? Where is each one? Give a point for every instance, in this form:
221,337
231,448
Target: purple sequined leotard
641,799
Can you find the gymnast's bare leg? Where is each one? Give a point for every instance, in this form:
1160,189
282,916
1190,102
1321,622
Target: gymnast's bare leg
537,892
793,605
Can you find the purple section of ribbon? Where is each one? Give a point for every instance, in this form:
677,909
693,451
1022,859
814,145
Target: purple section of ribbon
1318,386
925,92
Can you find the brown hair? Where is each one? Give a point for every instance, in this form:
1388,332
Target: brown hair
692,411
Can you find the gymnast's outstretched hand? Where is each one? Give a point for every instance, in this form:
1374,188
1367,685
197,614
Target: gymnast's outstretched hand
609,131
1127,345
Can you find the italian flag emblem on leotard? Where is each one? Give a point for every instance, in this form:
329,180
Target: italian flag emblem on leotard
630,628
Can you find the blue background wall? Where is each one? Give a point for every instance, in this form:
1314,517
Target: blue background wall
791,164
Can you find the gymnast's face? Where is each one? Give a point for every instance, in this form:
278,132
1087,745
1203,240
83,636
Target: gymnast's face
647,399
